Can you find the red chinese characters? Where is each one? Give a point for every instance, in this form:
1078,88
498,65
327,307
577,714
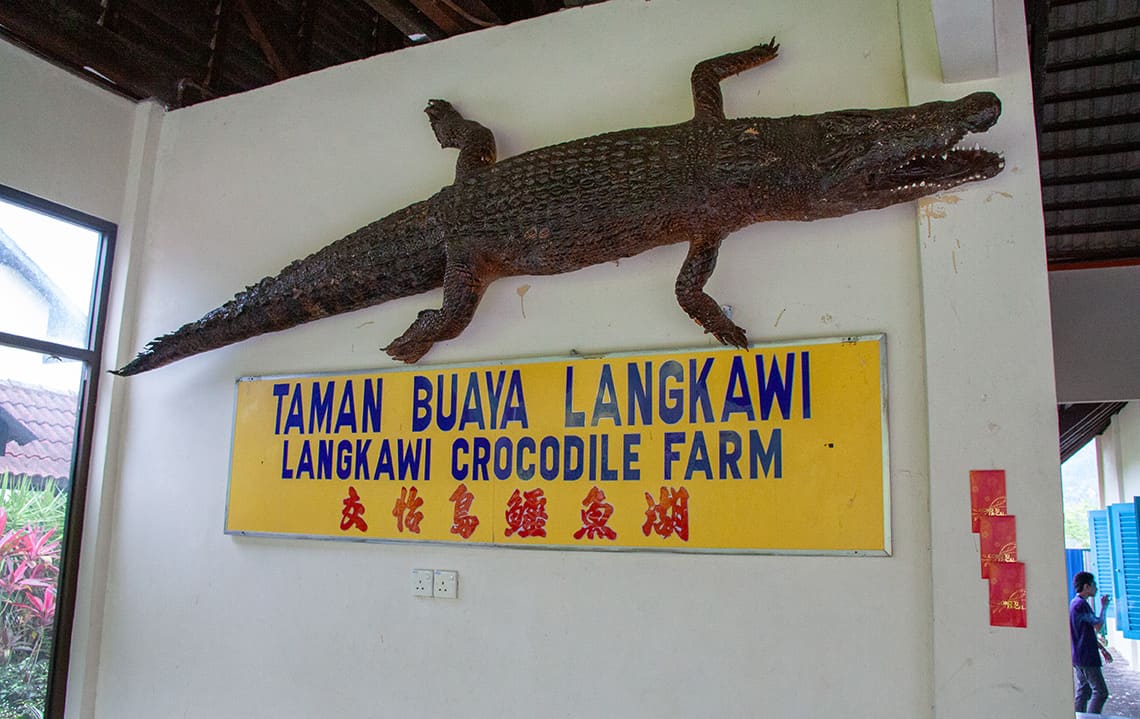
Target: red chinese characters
668,516
595,513
352,514
407,512
463,523
526,514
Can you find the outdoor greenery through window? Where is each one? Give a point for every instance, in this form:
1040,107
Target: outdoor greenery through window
54,270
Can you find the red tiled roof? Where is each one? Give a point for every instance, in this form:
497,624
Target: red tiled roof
49,416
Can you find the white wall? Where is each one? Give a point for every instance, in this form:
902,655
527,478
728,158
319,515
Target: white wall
990,394
70,142
1095,337
64,139
199,624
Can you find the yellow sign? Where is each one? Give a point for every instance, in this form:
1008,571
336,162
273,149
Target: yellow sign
776,448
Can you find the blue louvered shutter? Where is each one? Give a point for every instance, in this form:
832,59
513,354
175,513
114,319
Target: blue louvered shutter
1100,542
1126,567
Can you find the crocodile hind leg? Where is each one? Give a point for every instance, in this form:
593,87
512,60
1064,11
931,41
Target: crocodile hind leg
708,103
695,272
463,287
476,144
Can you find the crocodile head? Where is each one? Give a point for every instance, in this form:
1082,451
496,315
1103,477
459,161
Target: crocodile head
841,162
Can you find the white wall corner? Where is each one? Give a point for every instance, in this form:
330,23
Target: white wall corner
967,44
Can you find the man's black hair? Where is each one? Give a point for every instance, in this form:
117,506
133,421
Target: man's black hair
1081,579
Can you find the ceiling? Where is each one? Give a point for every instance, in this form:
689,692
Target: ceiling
1084,57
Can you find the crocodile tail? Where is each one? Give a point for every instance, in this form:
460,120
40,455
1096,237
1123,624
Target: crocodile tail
382,261
246,315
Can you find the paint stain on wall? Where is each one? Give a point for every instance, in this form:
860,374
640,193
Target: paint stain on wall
934,208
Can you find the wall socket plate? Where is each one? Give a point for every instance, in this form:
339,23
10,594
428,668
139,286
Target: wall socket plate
422,580
446,584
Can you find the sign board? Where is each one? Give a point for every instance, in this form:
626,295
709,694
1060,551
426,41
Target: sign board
775,448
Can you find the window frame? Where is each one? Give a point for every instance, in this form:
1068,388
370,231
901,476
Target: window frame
90,356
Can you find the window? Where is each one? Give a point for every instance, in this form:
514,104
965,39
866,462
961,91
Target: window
54,273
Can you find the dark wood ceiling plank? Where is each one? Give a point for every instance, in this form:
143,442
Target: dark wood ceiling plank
68,36
442,16
305,39
406,19
219,44
275,43
475,12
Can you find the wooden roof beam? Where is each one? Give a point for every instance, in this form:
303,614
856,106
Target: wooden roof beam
67,36
275,44
406,18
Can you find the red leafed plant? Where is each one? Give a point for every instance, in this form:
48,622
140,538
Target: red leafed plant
29,570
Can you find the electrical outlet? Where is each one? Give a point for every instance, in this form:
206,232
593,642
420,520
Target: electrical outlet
422,582
446,584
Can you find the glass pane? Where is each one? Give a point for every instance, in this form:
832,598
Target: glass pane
38,419
47,272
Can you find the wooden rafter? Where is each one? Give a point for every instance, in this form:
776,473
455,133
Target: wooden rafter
275,44
78,41
406,19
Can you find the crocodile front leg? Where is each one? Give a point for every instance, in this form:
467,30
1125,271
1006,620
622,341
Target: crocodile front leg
708,103
476,144
695,272
463,286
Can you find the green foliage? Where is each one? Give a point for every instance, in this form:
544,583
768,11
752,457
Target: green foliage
30,524
25,505
23,687
1077,526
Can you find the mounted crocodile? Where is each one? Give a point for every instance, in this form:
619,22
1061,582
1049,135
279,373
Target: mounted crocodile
602,198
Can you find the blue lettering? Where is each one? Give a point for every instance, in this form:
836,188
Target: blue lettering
699,390
805,383
606,403
698,457
280,389
373,398
730,449
458,466
479,459
421,403
773,386
296,417
305,462
525,469
630,456
384,461
494,394
324,459
361,468
515,410
670,412
472,405
344,459
548,458
738,396
346,414
320,408
573,468
672,455
768,457
570,417
504,457
639,393
409,459
286,470
607,474
446,421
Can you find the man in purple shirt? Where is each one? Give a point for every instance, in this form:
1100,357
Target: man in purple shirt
1092,692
